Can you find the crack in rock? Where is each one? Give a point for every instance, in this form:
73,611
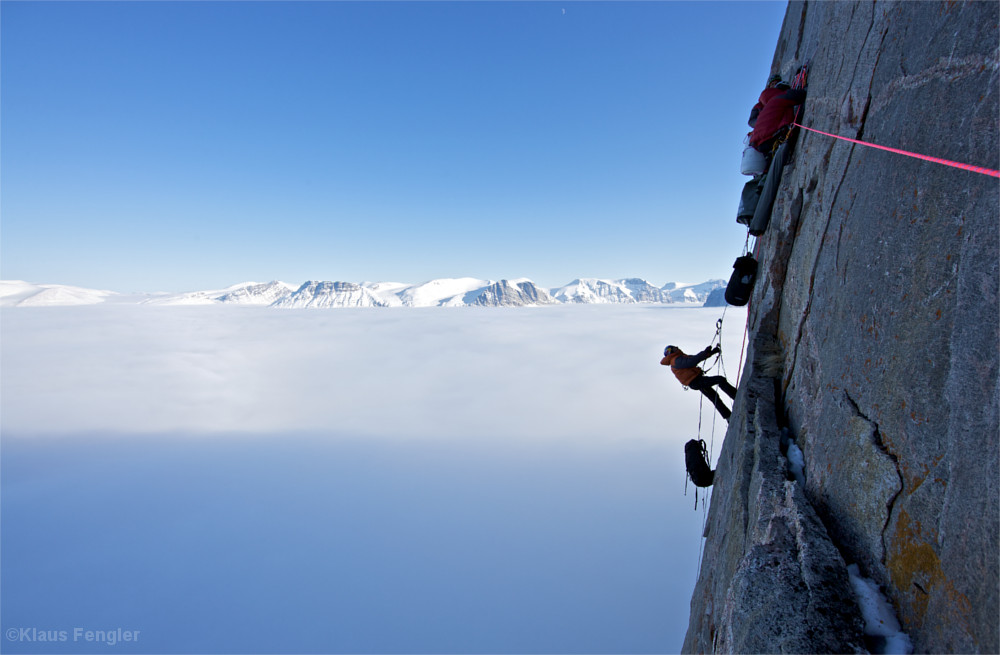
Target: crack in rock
879,443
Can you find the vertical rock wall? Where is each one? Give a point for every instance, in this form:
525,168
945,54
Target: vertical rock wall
879,300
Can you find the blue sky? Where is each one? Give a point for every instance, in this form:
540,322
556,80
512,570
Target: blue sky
179,146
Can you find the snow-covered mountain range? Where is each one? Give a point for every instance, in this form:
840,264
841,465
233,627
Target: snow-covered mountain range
448,292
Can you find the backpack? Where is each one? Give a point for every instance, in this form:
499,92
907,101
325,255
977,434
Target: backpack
696,462
741,282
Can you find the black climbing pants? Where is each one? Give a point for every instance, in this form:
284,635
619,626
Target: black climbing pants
704,384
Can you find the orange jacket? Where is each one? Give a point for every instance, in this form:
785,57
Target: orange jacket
685,375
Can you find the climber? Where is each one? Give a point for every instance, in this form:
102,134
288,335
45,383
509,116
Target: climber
773,113
685,368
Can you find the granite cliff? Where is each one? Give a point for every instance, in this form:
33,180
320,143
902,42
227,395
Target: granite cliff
875,330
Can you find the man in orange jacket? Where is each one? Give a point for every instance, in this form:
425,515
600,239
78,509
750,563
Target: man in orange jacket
685,368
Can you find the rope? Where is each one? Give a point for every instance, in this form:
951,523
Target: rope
746,328
937,160
722,362
701,398
711,449
701,537
718,339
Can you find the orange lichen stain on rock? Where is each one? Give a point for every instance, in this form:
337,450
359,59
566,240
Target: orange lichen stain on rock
913,562
916,573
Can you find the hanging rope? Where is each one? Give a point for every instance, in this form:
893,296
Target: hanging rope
717,338
711,449
701,537
720,363
937,160
722,369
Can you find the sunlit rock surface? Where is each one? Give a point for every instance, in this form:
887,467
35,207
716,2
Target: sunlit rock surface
878,292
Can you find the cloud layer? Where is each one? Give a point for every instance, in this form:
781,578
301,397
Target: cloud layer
226,479
464,373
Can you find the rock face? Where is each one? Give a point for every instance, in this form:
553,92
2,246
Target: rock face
717,298
772,580
878,291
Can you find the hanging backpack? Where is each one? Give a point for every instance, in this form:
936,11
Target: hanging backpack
748,200
696,462
741,282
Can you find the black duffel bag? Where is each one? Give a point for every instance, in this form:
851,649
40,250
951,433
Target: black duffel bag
741,282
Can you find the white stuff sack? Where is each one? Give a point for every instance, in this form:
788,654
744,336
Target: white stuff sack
754,162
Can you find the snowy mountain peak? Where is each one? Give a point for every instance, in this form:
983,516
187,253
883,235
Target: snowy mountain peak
252,293
593,290
643,291
445,292
690,293
512,294
330,294
26,294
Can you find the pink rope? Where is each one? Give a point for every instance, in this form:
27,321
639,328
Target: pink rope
936,160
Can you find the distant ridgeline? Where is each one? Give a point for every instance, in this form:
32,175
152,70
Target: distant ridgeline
874,330
451,292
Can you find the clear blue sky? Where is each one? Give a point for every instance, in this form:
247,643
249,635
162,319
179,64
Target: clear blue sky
192,145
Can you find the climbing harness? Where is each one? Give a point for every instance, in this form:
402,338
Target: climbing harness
937,160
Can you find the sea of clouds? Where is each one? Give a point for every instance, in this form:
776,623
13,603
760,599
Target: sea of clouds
239,479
